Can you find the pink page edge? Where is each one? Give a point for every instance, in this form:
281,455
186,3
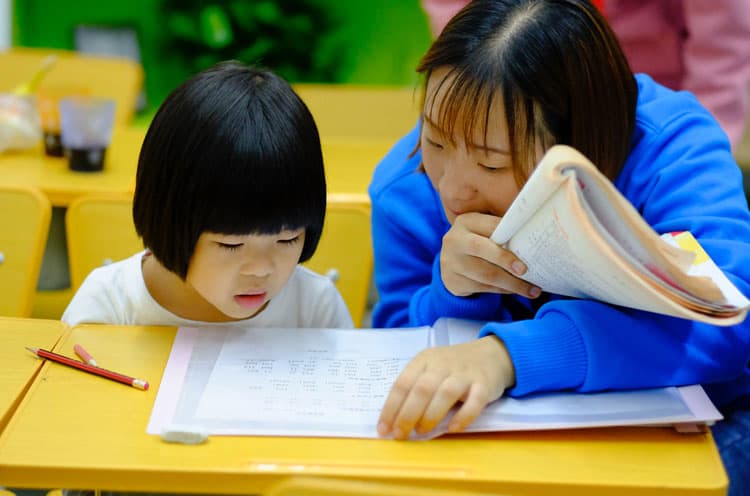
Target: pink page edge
172,380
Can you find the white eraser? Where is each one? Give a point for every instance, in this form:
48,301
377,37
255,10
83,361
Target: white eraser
184,434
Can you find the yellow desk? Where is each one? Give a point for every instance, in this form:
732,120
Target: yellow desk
349,164
17,366
61,185
74,430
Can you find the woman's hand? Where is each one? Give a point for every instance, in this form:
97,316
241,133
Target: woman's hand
470,262
474,373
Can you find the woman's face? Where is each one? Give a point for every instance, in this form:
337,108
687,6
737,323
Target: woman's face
475,176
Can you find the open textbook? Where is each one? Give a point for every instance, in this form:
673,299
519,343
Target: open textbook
580,237
333,383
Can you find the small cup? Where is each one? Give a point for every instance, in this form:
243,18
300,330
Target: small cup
48,103
19,122
86,131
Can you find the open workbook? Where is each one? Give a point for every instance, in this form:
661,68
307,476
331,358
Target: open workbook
333,383
580,237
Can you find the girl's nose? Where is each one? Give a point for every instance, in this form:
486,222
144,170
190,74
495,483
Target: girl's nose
257,266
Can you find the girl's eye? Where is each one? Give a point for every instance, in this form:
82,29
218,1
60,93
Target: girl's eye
230,246
290,241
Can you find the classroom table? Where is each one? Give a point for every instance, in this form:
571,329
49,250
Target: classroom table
17,366
74,430
349,164
61,185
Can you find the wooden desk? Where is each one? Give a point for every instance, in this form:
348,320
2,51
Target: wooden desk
61,185
74,430
349,165
17,366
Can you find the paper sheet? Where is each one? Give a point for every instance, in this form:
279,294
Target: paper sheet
330,382
333,382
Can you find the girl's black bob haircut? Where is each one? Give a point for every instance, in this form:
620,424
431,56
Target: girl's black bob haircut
232,150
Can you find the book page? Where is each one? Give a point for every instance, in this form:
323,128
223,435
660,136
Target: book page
586,241
563,257
333,382
660,406
626,231
327,382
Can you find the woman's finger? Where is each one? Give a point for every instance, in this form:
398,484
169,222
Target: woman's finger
415,404
397,395
450,392
473,405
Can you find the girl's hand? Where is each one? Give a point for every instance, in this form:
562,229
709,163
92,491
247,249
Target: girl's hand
474,373
470,262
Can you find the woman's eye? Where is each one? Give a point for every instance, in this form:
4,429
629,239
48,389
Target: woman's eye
433,143
492,169
230,246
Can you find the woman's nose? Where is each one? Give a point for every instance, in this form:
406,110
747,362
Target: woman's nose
456,182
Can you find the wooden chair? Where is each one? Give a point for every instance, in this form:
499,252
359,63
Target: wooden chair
110,77
345,250
24,223
361,112
100,230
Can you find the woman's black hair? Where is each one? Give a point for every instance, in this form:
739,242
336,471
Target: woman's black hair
556,64
233,150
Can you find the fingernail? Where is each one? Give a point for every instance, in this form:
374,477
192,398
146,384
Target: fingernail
398,433
382,428
517,267
534,292
454,427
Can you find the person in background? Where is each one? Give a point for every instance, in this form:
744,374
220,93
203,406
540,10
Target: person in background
230,197
505,81
702,46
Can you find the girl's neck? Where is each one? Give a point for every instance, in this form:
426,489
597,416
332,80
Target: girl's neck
176,295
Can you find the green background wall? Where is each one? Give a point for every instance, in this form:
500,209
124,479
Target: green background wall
375,42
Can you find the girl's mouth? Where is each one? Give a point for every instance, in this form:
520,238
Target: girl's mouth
250,300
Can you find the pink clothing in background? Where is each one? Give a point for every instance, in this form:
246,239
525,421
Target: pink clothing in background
702,46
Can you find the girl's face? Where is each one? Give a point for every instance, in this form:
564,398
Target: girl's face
470,177
239,274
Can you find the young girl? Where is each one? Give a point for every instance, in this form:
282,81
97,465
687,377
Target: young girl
230,197
505,81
